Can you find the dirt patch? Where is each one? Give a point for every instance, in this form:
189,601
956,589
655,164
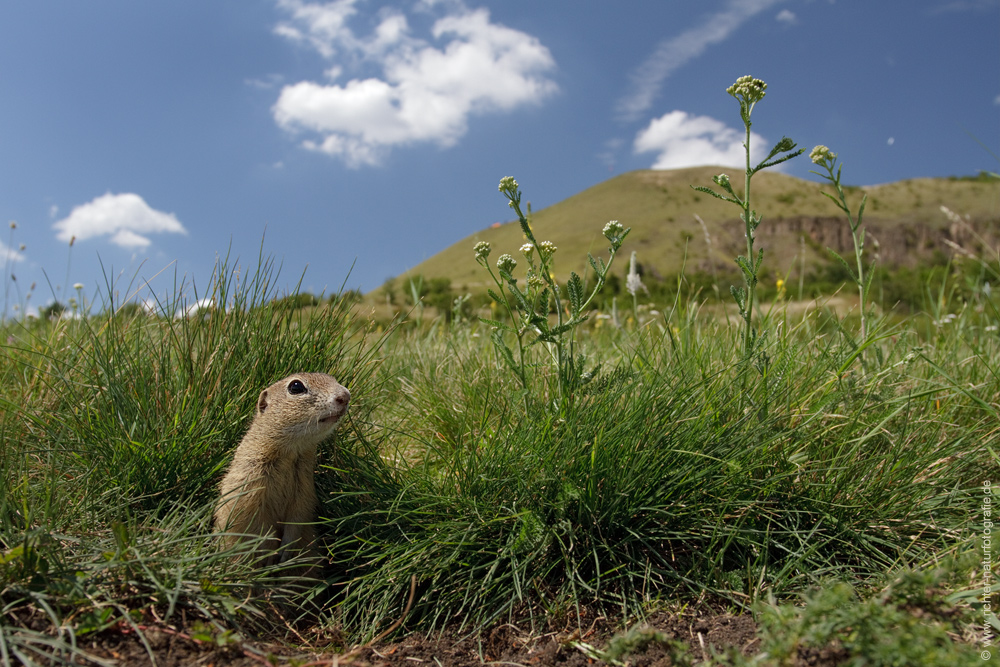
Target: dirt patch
508,643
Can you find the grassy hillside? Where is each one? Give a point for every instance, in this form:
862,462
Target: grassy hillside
660,206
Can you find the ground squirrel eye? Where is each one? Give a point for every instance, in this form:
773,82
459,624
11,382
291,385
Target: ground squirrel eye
296,387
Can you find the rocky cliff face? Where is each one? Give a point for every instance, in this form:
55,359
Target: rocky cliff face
897,243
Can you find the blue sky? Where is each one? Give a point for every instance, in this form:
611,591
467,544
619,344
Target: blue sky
162,134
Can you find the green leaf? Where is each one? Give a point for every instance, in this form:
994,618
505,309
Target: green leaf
505,352
869,276
526,229
497,325
710,191
740,295
744,265
593,264
783,158
493,295
847,266
520,298
785,145
574,288
836,201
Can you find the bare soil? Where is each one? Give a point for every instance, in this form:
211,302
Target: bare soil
506,644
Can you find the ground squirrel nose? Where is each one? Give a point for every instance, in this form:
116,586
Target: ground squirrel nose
343,398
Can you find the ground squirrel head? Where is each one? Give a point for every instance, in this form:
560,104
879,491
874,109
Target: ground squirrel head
301,409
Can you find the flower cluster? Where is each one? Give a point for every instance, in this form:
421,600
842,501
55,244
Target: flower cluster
546,249
506,263
508,185
482,250
748,90
615,233
722,180
822,156
527,249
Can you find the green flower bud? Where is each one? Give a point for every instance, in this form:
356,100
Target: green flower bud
748,90
508,185
822,154
506,263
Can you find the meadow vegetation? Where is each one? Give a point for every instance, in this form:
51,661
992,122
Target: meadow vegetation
824,477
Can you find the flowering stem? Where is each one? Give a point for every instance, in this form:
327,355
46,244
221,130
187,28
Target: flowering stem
822,156
750,279
518,331
530,308
544,259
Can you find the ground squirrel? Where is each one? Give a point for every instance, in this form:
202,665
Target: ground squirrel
269,488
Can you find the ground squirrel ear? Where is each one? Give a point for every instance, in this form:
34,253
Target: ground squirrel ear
262,402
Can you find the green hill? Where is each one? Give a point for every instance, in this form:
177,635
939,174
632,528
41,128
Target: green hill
904,219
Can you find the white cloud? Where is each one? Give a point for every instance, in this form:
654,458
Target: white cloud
608,155
8,254
787,17
672,53
125,218
425,93
996,100
267,82
319,25
684,140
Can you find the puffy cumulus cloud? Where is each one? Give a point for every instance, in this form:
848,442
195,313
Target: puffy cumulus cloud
685,140
125,218
426,92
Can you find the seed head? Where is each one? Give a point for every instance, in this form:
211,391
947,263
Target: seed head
482,250
13,224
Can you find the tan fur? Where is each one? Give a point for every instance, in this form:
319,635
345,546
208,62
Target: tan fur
269,489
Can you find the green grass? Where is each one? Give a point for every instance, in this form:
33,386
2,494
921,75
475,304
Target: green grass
664,481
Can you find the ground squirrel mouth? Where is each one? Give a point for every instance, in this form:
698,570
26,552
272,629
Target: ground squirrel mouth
333,416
